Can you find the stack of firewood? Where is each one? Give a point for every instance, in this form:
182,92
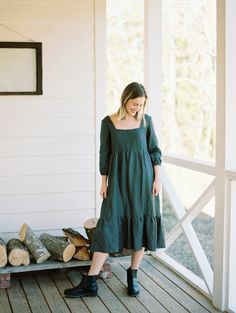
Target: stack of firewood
71,245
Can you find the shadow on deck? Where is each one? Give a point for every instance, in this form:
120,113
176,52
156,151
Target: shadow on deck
161,291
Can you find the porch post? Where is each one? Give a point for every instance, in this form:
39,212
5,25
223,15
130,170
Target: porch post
221,209
100,57
231,148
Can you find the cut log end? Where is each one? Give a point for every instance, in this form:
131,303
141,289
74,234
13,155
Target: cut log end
18,257
23,232
18,254
3,256
26,260
90,226
82,254
68,253
91,223
3,253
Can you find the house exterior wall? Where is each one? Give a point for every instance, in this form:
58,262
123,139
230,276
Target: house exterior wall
48,142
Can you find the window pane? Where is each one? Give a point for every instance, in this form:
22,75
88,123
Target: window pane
125,30
189,71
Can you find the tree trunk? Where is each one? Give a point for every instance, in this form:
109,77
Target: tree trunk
59,249
32,242
3,253
89,227
82,254
18,254
75,237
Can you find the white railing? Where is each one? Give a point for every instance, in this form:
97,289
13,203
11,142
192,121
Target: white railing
184,224
195,165
185,218
231,175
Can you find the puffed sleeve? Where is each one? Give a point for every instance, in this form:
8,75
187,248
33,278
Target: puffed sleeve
152,143
105,148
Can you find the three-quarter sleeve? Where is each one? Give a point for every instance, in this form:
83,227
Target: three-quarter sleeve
152,143
105,148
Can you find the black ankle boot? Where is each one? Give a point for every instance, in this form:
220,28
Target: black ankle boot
133,288
87,288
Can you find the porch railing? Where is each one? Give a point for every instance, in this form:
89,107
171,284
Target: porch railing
185,218
184,223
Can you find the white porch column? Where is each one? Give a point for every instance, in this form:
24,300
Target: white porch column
220,262
232,251
231,147
153,58
100,57
225,219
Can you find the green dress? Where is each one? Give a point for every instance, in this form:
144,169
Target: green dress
130,215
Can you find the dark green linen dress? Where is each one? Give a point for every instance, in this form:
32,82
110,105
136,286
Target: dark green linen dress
130,215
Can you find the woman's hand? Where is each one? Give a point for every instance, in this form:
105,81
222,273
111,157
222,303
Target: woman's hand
103,191
156,187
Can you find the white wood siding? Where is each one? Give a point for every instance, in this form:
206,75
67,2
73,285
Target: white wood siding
47,143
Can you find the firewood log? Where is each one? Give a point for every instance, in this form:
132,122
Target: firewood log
18,254
75,237
59,249
34,245
3,253
64,238
82,254
89,227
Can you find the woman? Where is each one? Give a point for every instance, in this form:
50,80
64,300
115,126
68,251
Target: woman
130,214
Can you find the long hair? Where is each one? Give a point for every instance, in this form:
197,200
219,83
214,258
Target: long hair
132,91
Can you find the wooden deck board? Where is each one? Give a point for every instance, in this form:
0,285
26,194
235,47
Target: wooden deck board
131,303
178,294
94,304
17,297
5,304
161,290
145,298
34,295
181,283
62,282
55,302
109,297
159,294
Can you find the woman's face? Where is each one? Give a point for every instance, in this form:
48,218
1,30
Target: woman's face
133,106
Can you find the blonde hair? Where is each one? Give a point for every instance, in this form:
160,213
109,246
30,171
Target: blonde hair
132,91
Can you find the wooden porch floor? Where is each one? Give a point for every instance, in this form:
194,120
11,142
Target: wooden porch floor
161,291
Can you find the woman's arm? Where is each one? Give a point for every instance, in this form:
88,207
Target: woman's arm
104,156
105,148
152,144
155,155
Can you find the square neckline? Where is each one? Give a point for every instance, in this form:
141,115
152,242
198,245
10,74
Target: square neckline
122,128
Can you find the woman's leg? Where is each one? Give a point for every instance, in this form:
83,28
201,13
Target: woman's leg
132,282
136,259
88,285
97,262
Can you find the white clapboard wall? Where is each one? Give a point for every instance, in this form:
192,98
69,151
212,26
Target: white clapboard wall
47,142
